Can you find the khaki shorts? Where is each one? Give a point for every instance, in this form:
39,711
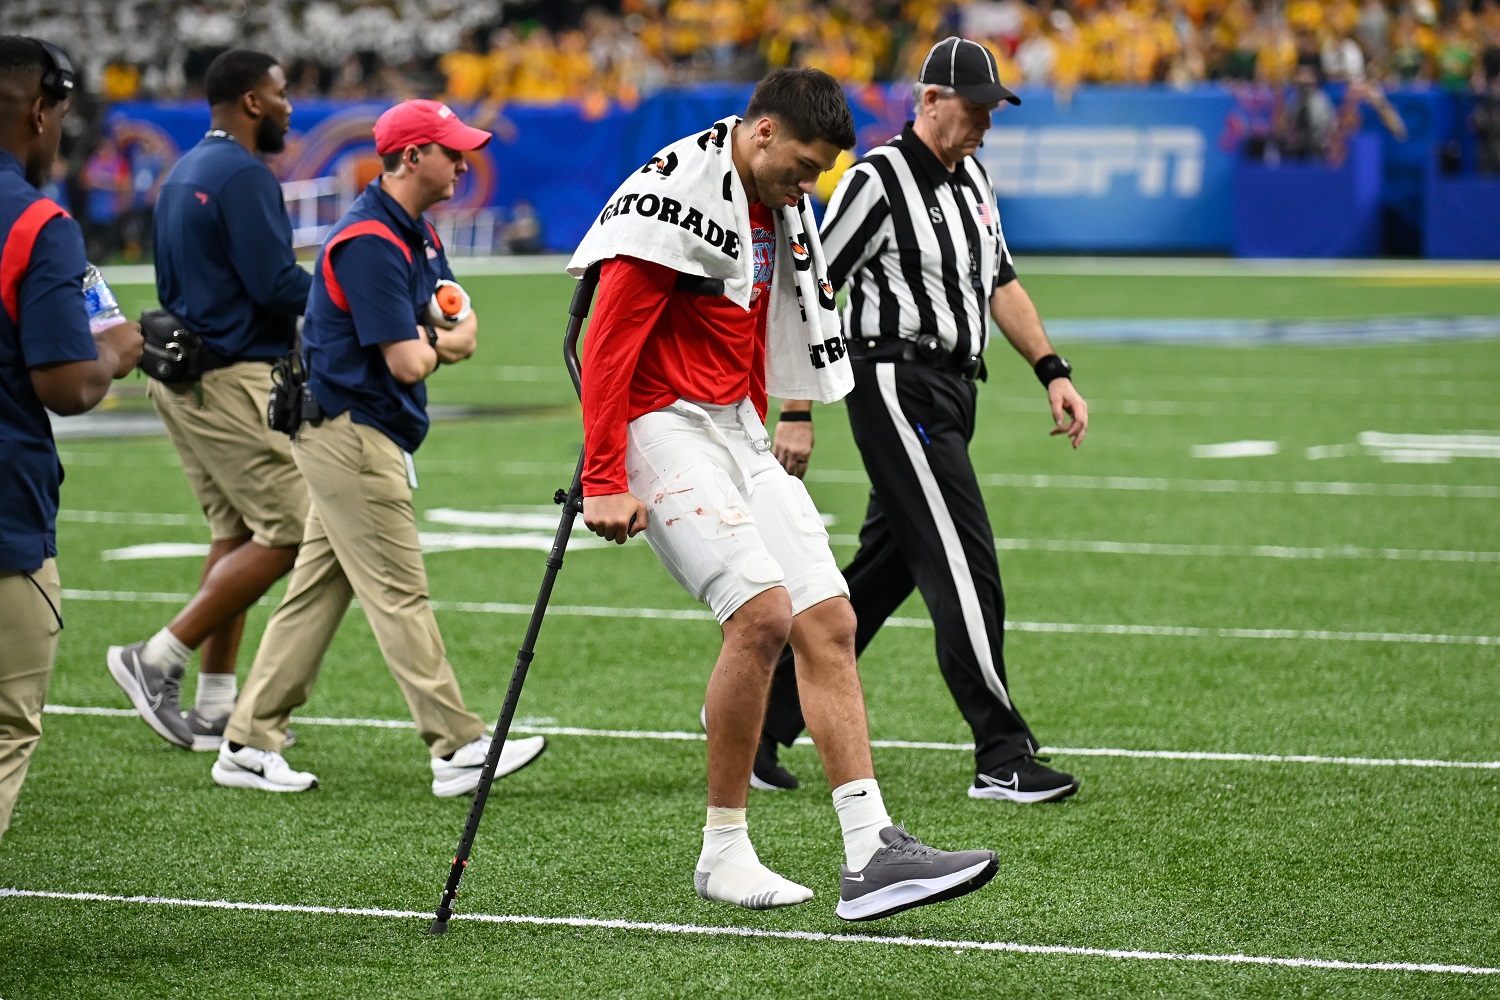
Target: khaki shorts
724,517
240,470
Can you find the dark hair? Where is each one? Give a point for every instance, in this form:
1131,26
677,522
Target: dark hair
391,162
808,103
235,73
19,54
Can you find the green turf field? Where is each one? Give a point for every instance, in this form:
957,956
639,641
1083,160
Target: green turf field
1276,675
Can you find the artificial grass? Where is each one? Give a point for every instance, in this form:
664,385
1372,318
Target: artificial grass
1324,860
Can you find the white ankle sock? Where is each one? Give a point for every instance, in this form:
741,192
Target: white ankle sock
729,870
165,651
216,694
862,816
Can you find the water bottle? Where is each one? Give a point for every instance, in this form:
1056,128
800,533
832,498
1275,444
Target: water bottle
104,312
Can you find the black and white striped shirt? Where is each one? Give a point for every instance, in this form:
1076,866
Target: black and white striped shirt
921,246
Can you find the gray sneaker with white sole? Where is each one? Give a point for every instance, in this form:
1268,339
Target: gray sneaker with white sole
208,733
907,873
155,693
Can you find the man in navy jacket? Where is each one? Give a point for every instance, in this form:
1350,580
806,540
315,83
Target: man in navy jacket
49,360
225,268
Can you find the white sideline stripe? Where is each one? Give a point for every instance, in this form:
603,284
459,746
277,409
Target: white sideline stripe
1161,485
1219,551
687,737
548,519
1070,628
1252,551
1127,483
652,927
125,517
1235,449
1301,488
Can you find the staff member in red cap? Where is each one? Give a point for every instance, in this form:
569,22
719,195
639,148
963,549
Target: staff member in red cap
369,343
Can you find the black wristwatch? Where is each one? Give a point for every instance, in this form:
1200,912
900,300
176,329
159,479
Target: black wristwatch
1051,368
431,334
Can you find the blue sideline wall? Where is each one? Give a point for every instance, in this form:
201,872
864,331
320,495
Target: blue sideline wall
1134,170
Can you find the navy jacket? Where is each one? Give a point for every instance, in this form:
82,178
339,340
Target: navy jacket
43,321
373,279
224,260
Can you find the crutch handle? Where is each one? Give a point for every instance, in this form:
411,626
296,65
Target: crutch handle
697,284
583,300
578,311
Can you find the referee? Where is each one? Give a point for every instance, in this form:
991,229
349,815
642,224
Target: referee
913,228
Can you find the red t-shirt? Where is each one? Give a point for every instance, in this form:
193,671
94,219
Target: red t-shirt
649,346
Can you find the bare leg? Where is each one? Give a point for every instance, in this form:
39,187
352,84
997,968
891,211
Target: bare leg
754,637
218,652
237,573
833,701
221,650
728,868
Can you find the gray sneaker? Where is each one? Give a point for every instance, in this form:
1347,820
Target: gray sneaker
907,873
153,692
208,733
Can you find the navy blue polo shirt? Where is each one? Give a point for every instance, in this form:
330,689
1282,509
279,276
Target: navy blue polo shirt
224,260
51,326
384,286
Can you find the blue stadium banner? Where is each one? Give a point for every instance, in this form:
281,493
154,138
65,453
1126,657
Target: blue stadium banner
1115,169
1106,169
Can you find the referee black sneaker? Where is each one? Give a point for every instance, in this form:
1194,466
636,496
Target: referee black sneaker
768,775
907,873
1023,779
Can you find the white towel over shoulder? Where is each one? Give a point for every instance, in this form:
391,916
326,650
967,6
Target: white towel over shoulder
687,210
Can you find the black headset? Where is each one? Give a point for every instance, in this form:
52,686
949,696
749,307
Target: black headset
58,80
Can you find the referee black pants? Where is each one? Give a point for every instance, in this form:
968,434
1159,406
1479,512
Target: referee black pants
926,527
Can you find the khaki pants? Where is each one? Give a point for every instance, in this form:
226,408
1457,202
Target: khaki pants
361,540
28,648
240,470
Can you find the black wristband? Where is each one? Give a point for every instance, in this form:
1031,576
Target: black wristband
1051,368
796,416
431,334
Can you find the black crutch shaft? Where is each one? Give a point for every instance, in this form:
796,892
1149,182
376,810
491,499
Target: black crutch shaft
572,501
572,505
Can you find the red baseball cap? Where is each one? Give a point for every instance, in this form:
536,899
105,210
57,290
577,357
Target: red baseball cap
416,123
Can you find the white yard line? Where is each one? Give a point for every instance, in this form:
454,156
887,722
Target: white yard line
1382,408
545,517
1318,552
1137,484
1302,488
127,517
692,737
653,927
1078,628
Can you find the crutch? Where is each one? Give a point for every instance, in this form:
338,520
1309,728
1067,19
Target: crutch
571,500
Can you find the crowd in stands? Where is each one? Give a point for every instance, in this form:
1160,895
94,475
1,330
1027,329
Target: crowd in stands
549,51
603,53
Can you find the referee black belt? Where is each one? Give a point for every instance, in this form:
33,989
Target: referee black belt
924,351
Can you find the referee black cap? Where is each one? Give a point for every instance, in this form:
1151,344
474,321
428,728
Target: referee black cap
968,68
